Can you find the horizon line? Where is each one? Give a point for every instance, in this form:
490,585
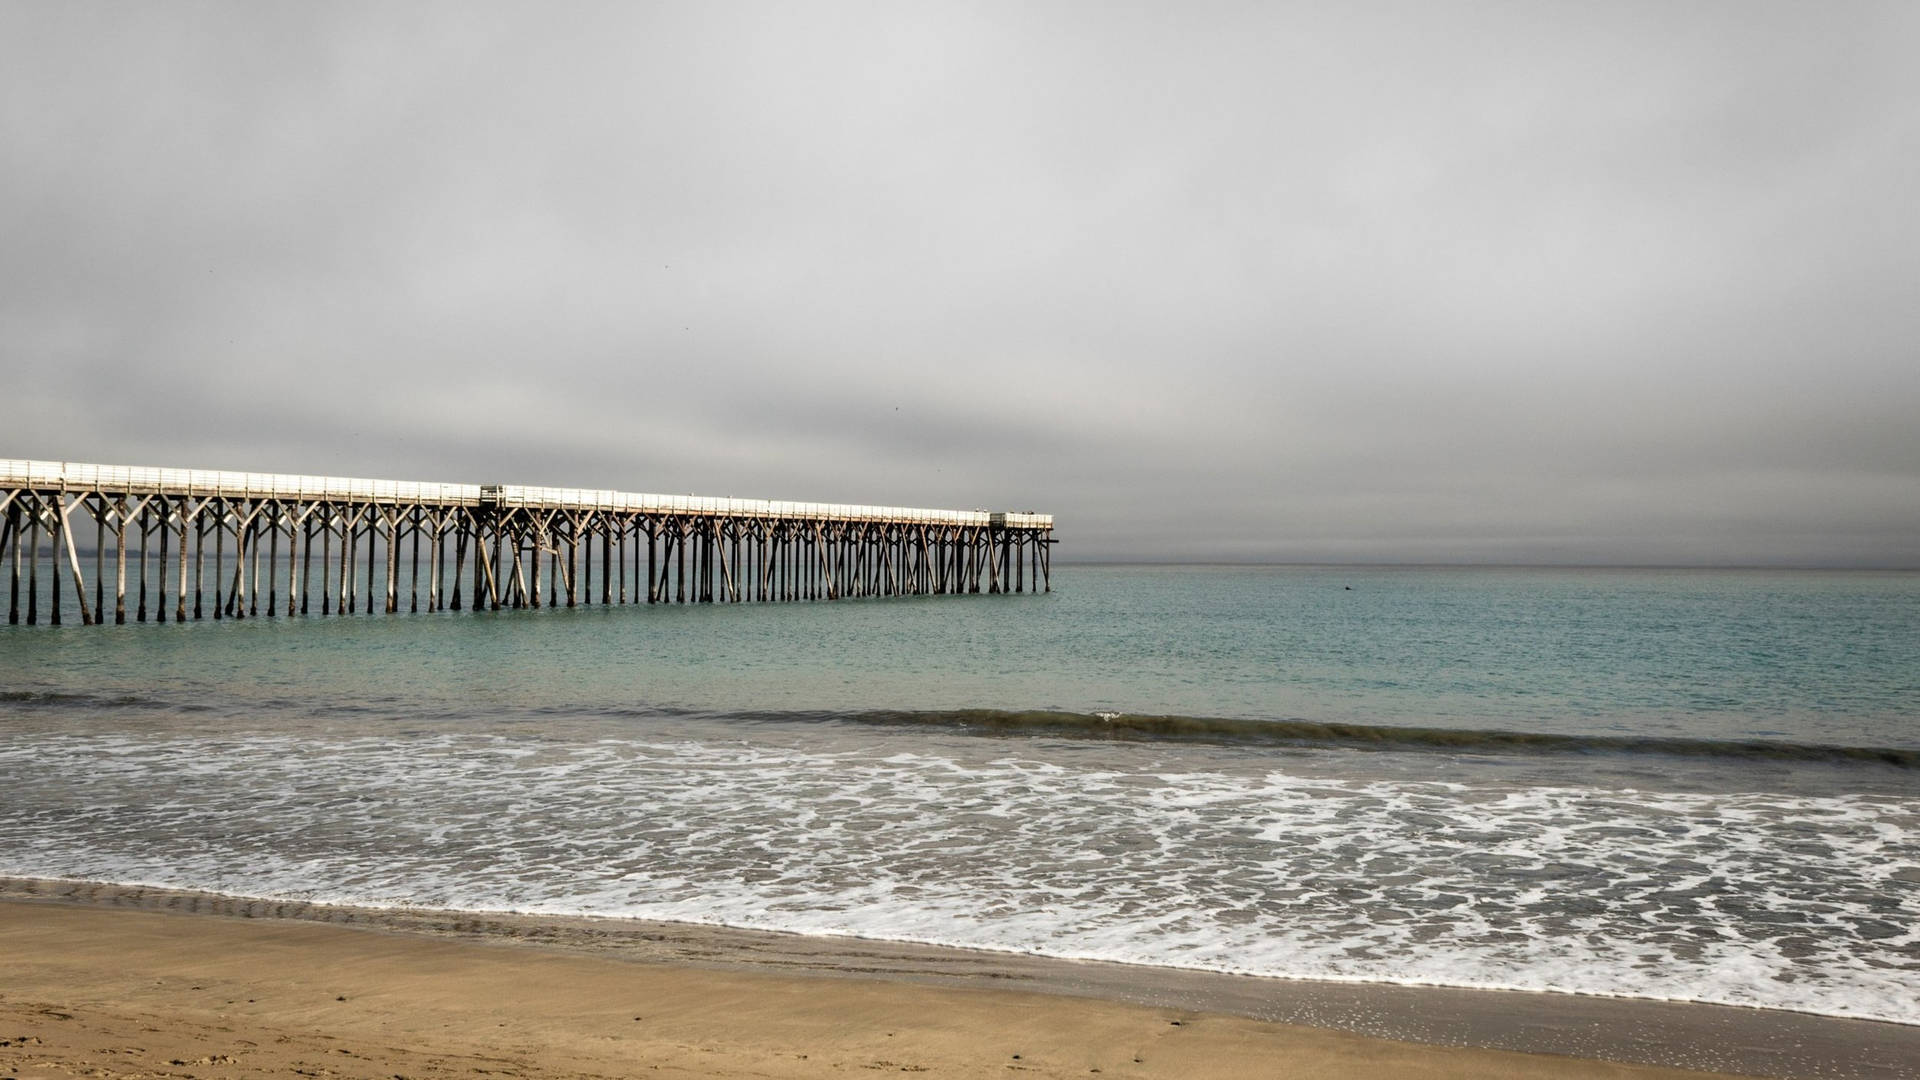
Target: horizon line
1432,565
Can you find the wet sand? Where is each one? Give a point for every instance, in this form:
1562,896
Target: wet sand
120,981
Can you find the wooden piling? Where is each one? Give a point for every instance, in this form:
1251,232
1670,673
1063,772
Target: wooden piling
436,559
99,548
479,557
393,561
273,563
606,562
492,567
521,595
13,587
199,557
56,525
180,605
33,570
373,538
326,560
145,523
73,560
253,549
572,569
413,584
120,564
165,516
299,560
459,562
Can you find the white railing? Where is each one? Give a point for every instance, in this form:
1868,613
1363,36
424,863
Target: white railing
139,480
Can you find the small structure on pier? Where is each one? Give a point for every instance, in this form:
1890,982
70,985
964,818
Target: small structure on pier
519,547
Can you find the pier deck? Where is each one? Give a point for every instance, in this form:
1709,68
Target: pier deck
510,545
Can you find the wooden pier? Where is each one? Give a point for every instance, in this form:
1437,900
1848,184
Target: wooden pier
190,543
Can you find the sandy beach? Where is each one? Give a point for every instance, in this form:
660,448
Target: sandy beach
126,982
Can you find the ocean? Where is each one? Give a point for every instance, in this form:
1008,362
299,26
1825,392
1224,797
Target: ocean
1676,784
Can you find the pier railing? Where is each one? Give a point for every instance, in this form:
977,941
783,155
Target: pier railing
518,546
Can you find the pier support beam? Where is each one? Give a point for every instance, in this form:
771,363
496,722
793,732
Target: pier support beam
528,546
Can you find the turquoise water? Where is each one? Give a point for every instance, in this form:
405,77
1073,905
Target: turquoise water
1825,658
1685,784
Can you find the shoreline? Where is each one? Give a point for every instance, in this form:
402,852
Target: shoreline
1437,1022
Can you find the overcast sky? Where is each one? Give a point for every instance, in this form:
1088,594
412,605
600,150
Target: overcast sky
1504,282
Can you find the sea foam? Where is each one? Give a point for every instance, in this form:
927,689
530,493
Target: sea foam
1791,901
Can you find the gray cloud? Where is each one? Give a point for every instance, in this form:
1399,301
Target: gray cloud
1482,282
